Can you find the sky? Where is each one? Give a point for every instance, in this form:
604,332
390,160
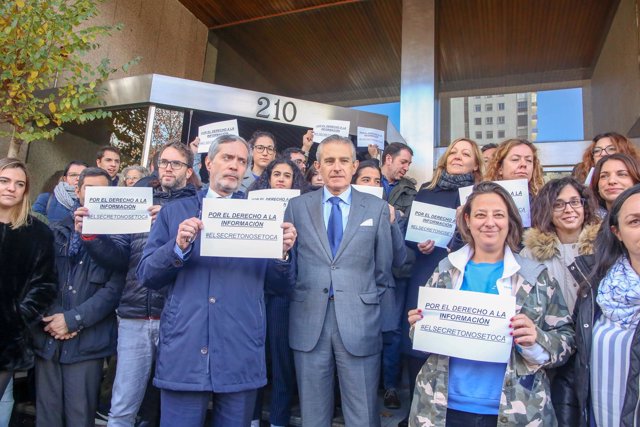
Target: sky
559,114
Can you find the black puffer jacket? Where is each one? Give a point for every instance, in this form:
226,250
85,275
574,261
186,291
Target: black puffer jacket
123,252
570,390
28,286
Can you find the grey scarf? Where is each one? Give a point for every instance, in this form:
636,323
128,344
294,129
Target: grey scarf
453,182
65,194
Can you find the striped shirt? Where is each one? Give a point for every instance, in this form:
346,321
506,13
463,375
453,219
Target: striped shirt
609,370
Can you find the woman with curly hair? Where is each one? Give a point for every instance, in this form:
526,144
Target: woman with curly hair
602,145
517,159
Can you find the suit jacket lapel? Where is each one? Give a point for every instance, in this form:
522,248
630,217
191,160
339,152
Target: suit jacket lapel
314,207
356,214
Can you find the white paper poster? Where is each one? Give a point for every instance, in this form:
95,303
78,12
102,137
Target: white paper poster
367,136
330,127
519,190
468,325
282,195
241,228
589,177
117,210
374,191
431,222
208,133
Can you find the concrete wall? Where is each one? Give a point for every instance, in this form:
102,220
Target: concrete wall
169,38
615,84
46,157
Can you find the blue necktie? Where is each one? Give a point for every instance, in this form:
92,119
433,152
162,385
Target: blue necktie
334,228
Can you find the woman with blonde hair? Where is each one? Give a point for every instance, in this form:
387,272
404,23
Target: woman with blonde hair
460,166
517,159
28,279
602,145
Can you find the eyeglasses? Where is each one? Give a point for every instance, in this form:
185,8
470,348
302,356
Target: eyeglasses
298,161
261,148
130,178
611,149
176,165
73,175
560,205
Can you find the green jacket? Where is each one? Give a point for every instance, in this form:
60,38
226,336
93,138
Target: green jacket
402,195
525,399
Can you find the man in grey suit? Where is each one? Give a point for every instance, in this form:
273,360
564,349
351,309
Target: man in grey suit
343,251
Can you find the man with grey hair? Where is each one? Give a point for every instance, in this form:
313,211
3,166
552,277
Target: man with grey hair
343,254
212,329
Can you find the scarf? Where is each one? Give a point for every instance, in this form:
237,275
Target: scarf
65,194
453,182
619,294
75,245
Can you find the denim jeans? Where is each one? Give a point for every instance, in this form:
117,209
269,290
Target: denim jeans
137,346
6,405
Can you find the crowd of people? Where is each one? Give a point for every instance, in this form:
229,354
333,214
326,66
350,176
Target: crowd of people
191,338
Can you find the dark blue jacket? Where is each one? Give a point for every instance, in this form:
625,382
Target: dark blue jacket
212,329
424,265
48,205
88,296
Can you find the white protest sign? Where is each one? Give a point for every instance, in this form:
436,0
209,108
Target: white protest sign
367,136
331,127
468,325
117,210
519,190
589,177
208,133
282,195
431,222
241,228
374,191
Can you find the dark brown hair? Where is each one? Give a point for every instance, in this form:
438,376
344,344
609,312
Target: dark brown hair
542,208
514,236
631,163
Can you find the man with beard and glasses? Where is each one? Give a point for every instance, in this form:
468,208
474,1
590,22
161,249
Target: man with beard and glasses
212,330
140,307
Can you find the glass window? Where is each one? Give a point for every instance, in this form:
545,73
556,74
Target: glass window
478,121
500,134
488,120
522,120
501,106
500,120
522,106
489,134
488,107
477,108
478,135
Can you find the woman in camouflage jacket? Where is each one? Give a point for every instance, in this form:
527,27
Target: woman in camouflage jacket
542,328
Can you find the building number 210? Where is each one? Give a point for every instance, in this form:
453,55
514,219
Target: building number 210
288,110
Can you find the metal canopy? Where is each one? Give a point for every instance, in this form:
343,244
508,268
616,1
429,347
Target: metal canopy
175,93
